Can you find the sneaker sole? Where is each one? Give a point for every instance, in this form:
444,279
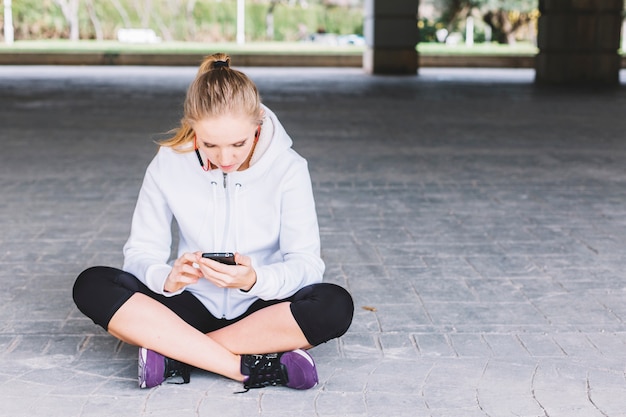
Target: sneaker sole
150,368
301,369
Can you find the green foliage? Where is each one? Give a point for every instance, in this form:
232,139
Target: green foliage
209,21
516,5
292,23
506,21
336,20
36,19
214,21
428,30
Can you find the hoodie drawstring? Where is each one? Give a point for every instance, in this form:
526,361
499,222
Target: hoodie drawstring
235,210
214,189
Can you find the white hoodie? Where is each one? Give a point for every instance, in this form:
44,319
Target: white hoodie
266,212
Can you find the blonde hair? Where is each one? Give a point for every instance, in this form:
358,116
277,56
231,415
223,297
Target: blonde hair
217,90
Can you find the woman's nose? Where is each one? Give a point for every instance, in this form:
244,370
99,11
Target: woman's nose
225,157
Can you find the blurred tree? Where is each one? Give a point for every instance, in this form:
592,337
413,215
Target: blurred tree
190,21
123,13
184,20
70,12
269,17
507,17
95,20
144,10
504,17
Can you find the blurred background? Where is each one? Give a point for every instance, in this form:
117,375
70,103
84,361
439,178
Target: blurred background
452,23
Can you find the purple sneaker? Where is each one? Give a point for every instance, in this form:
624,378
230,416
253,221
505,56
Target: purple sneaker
294,369
155,368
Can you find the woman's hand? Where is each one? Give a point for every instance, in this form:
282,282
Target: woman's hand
241,276
183,273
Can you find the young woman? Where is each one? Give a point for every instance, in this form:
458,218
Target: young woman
232,182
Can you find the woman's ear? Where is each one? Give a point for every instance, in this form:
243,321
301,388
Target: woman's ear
257,133
261,116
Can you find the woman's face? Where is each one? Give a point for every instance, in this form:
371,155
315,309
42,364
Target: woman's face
226,140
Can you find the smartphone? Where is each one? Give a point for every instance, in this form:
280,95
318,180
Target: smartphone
227,258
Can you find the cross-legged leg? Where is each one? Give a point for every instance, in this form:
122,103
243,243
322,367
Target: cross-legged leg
142,321
271,329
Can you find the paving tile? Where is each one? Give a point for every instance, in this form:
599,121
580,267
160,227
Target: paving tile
477,220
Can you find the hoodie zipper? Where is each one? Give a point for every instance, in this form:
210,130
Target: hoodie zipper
226,211
225,236
228,219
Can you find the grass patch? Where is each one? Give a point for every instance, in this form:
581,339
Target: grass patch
477,49
114,47
251,48
91,46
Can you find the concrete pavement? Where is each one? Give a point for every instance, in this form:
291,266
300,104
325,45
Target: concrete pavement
479,222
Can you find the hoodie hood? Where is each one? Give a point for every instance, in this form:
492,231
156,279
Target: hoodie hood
273,141
266,212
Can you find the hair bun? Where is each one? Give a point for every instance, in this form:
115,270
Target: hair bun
220,64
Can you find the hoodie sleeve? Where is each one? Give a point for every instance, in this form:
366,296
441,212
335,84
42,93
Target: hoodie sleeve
148,248
299,241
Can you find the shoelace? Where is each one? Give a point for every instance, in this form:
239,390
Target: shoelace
175,368
265,370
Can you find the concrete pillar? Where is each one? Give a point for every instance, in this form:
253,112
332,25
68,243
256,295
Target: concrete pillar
578,42
390,29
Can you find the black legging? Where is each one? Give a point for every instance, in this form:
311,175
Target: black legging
323,311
